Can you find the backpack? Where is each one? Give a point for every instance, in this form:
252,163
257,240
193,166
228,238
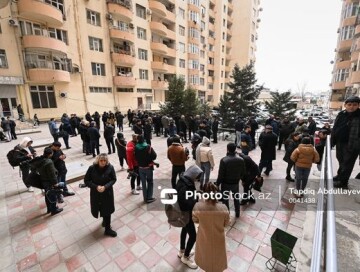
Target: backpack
13,157
176,217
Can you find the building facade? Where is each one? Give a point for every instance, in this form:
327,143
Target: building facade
346,72
77,56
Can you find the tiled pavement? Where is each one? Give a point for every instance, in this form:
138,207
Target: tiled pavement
73,240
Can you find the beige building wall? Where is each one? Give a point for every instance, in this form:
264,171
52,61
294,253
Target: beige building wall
132,46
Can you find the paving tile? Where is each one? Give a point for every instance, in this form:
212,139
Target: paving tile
125,259
265,250
130,239
264,217
238,264
43,243
136,266
112,266
139,248
27,262
245,253
76,261
236,235
70,251
7,258
150,258
50,262
93,250
256,233
100,260
47,252
152,239
260,262
116,249
251,242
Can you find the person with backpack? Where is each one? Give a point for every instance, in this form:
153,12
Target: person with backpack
205,160
25,153
5,125
213,217
45,167
145,156
120,143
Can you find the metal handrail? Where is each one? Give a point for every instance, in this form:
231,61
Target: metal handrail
329,227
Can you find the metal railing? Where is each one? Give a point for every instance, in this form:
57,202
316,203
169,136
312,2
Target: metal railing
325,230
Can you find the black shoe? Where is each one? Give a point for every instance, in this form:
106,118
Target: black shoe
109,153
252,200
69,147
94,155
289,179
58,210
244,202
67,193
237,214
340,184
150,200
267,173
335,178
110,232
358,176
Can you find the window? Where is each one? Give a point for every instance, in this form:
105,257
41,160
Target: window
202,25
202,81
144,74
194,33
143,54
202,67
194,79
222,86
202,39
193,49
223,48
182,13
124,90
100,90
252,37
98,69
140,11
222,73
95,44
194,16
224,36
341,75
181,63
0,29
211,86
3,60
144,90
122,26
141,33
182,31
350,10
93,17
195,2
202,53
42,97
224,22
59,4
254,12
347,32
224,9
181,47
194,64
203,11
253,25
58,34
222,61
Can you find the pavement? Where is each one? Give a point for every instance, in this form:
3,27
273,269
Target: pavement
73,240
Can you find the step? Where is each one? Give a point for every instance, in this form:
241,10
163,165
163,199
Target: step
76,170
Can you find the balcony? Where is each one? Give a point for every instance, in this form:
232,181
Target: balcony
349,21
124,81
163,67
340,85
158,8
170,34
159,48
194,8
171,53
210,79
170,16
211,54
210,66
230,6
119,9
40,11
355,77
48,76
230,20
159,85
33,41
228,44
123,58
344,46
343,65
193,24
335,105
193,72
357,31
158,28
192,56
354,56
227,69
211,40
116,33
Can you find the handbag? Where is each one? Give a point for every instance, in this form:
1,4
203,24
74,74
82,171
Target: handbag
258,183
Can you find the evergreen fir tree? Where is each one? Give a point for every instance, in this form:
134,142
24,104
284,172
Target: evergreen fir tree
228,116
190,102
174,103
280,105
244,91
204,109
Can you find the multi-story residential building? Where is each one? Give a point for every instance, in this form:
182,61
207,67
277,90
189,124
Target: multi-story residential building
346,72
77,56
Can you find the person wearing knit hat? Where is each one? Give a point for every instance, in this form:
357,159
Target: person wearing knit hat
205,160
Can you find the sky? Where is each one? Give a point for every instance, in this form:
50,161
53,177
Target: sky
296,43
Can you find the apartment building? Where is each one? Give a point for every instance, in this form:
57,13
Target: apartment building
77,56
346,71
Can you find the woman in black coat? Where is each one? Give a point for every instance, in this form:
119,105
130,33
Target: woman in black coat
290,145
100,178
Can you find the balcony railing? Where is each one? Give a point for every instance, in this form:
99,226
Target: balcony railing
125,3
52,65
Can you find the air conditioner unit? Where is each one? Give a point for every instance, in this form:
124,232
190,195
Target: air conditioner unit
63,94
131,25
109,16
13,22
148,12
76,69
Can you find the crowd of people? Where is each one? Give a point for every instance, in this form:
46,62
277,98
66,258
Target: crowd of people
301,151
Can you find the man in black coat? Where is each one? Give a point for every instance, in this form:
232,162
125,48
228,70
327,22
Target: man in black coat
183,127
285,129
267,143
12,128
58,158
311,126
215,128
231,170
252,171
345,136
254,127
94,137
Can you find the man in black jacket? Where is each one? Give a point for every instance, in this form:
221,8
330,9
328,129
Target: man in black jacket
58,158
231,170
311,126
186,184
183,127
285,129
215,128
267,143
252,171
94,137
346,136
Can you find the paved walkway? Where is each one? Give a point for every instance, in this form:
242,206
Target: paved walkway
73,240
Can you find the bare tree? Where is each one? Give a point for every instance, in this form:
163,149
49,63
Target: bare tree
301,88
